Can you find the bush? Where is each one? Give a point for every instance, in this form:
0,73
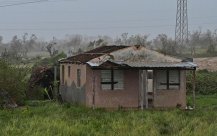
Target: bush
50,61
13,81
206,82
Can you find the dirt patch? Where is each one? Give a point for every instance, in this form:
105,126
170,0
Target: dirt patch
207,63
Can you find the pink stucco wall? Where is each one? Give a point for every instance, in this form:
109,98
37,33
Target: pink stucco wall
171,98
69,89
68,80
128,97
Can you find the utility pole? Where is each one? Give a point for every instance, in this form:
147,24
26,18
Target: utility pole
181,31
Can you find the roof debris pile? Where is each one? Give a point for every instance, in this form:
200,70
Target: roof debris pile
42,77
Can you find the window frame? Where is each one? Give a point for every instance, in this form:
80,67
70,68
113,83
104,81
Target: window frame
69,71
63,74
78,78
168,84
112,81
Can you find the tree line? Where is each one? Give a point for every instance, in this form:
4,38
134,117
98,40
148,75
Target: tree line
199,43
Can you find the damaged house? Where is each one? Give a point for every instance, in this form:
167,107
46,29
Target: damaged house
124,76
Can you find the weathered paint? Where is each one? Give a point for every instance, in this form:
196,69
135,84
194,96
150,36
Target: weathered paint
69,90
90,87
128,97
91,94
171,98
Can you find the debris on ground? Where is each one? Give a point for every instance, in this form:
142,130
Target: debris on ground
42,77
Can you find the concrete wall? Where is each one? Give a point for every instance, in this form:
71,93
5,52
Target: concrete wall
171,98
89,86
90,93
69,90
128,97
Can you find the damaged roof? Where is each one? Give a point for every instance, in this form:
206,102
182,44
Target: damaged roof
107,49
89,55
128,56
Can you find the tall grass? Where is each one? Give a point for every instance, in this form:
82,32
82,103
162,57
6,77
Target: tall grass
48,119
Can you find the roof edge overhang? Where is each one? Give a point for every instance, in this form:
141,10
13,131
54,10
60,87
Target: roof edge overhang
141,68
118,65
113,65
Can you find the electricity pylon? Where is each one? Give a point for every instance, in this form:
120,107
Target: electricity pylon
181,32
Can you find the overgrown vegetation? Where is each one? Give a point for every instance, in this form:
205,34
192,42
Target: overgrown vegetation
206,82
13,80
42,77
15,83
48,118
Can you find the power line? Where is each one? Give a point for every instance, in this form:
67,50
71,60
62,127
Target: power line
28,2
104,21
99,28
23,3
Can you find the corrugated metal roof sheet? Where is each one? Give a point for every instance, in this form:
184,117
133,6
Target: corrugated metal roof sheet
107,49
89,55
158,65
81,58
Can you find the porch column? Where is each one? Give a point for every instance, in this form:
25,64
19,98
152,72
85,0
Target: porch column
143,88
141,83
55,90
194,86
93,86
146,88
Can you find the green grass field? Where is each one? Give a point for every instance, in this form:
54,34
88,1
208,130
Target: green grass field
50,119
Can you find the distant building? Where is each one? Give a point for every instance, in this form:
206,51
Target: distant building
124,76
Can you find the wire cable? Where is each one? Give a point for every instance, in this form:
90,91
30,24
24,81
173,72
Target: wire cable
31,2
100,28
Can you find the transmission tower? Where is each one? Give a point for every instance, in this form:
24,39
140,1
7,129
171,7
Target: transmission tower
181,32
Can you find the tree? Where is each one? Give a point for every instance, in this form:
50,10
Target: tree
165,45
51,49
194,41
1,39
139,40
209,38
132,40
16,47
97,43
124,37
32,41
24,49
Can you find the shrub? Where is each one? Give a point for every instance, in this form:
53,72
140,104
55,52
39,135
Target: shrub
206,82
13,81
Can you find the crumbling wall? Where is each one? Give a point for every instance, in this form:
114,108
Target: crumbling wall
69,89
73,94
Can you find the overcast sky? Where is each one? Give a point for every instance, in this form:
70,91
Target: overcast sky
101,17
